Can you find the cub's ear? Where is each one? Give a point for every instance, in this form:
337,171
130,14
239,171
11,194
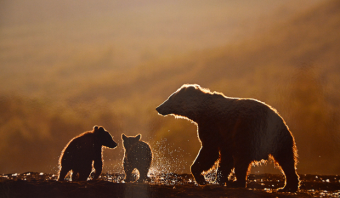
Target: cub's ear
95,128
124,137
138,136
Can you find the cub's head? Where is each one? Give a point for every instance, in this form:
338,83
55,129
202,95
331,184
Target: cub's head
128,142
185,102
104,137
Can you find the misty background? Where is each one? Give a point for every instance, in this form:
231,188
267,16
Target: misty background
66,66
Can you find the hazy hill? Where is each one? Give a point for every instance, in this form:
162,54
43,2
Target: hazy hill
55,45
309,40
54,93
294,67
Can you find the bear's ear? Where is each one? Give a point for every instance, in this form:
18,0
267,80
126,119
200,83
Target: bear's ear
138,137
197,86
95,128
124,137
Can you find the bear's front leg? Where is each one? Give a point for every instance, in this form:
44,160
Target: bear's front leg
203,162
62,173
128,171
225,167
98,166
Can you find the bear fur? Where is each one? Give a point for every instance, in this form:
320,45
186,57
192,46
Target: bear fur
137,155
235,131
81,151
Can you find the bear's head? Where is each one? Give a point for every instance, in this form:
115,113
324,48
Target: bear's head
104,137
128,142
186,102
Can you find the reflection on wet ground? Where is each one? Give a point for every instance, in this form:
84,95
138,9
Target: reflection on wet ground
311,185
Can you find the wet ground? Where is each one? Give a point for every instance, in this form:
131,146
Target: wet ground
34,184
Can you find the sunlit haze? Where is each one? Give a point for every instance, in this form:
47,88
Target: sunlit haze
66,66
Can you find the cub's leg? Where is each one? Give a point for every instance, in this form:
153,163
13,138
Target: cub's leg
75,175
84,173
98,166
128,172
143,172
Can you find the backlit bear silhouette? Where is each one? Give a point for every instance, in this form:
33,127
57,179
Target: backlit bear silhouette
81,151
137,155
235,131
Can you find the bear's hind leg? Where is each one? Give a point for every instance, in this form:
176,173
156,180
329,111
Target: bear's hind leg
75,175
241,172
83,176
204,161
287,163
84,173
128,173
143,174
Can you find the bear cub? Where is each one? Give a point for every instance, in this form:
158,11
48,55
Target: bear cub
84,149
137,155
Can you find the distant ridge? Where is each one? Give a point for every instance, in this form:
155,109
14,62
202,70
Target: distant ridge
310,38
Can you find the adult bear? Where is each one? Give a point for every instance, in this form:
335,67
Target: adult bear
235,131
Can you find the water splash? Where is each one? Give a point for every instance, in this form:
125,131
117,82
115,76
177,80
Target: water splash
167,159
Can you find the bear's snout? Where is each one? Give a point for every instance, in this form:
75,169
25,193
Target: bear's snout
161,111
158,109
112,145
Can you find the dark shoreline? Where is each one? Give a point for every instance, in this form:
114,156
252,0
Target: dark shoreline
34,184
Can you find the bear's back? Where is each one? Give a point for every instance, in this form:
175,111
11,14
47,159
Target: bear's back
138,152
255,124
80,148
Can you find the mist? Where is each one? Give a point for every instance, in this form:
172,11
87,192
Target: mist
66,66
